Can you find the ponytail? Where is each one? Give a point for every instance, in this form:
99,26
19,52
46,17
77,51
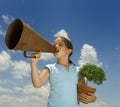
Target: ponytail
71,62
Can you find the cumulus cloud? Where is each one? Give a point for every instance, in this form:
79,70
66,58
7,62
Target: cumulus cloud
26,96
3,82
5,61
30,97
2,32
88,55
20,69
17,89
7,99
7,19
47,56
6,82
43,91
62,33
5,90
97,104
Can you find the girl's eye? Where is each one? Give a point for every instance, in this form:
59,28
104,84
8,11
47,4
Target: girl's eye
60,45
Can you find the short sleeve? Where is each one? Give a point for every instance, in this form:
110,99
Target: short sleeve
50,67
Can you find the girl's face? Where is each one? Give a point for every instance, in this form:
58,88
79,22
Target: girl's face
61,49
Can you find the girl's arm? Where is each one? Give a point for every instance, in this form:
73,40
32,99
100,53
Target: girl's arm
86,98
38,79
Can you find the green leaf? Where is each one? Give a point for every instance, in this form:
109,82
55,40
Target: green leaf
93,73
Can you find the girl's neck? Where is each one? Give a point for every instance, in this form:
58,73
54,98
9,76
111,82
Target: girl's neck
64,63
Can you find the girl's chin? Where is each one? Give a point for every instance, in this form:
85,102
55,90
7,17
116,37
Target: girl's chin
56,55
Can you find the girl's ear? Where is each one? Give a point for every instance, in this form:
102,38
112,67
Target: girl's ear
69,51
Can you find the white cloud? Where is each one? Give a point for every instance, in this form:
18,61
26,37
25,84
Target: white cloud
6,82
5,61
30,90
2,33
35,96
26,96
88,55
3,82
17,89
7,19
30,97
38,98
6,99
47,56
5,90
97,104
62,33
20,69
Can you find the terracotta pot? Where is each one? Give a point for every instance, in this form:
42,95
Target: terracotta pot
83,88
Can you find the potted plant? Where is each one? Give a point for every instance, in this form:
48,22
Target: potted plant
90,72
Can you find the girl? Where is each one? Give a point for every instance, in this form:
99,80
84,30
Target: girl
62,76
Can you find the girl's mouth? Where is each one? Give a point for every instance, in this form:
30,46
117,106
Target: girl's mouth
57,50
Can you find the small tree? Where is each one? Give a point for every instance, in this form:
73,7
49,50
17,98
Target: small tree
93,73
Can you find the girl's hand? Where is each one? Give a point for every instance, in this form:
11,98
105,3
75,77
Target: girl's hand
36,57
87,98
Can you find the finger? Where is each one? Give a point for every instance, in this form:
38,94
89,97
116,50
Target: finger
83,95
36,55
83,101
90,94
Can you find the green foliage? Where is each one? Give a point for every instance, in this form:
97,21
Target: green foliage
92,73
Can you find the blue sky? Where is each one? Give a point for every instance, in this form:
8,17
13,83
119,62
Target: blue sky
92,25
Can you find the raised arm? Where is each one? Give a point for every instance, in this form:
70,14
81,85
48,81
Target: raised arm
38,79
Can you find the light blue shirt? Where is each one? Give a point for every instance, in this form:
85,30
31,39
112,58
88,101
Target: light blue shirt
63,86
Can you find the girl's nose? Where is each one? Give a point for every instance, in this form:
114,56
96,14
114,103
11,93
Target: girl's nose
57,45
